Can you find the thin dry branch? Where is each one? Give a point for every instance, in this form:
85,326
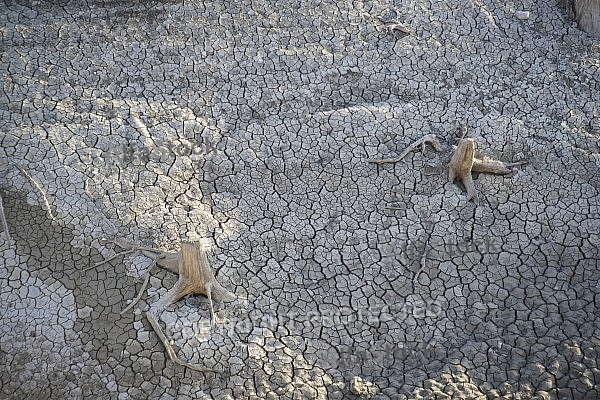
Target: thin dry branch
128,248
121,253
430,138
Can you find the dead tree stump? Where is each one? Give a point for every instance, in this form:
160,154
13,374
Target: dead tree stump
462,163
587,15
195,277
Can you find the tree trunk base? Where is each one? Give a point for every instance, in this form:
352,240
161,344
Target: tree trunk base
587,15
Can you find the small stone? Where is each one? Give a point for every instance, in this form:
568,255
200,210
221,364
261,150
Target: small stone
522,15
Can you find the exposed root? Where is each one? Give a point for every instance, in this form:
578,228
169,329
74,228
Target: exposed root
395,208
489,166
128,248
142,289
464,130
121,253
41,192
422,263
153,316
430,138
3,219
396,26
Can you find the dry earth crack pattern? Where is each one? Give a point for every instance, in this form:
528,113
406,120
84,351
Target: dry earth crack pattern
247,125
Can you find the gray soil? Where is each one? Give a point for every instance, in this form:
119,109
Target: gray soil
248,125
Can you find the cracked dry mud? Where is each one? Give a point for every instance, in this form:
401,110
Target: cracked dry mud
248,125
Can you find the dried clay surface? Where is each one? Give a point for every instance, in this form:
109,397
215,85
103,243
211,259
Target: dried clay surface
247,126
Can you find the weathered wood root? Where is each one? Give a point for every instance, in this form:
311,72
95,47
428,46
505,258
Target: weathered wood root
153,316
422,263
430,138
489,166
128,248
3,219
40,190
397,26
142,289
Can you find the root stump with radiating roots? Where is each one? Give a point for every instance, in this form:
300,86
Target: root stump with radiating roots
462,163
195,277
